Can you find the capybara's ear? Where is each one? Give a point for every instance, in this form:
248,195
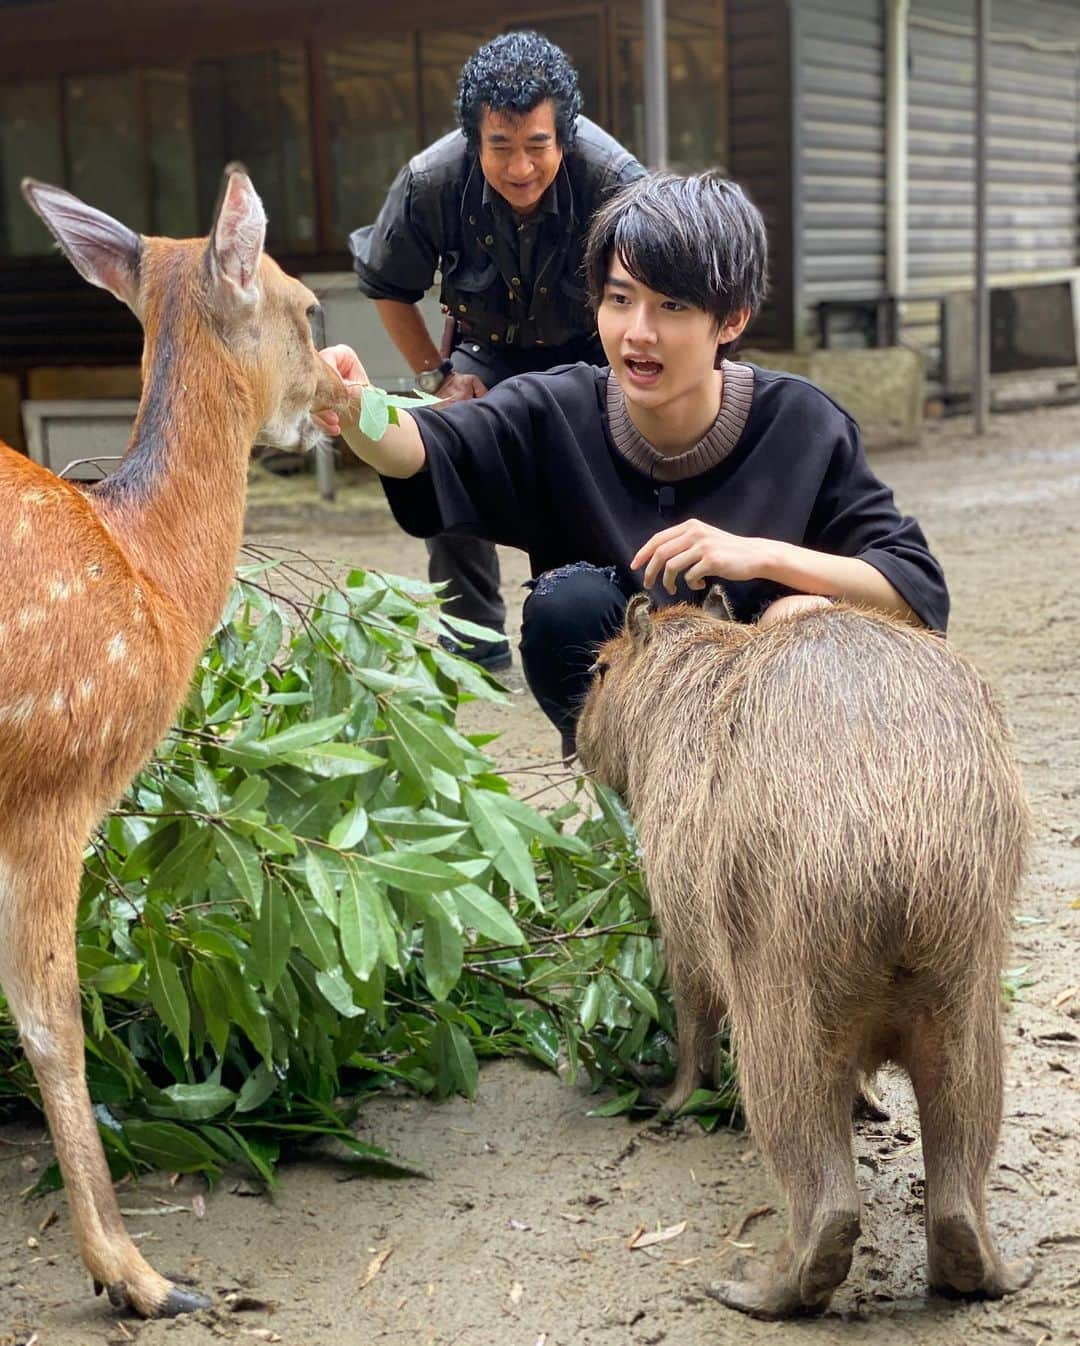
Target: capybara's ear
716,604
638,625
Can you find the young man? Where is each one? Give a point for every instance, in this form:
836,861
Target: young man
500,208
670,468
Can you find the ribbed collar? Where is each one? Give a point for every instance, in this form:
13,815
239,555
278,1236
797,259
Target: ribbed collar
712,448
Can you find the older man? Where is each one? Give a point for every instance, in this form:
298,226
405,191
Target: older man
500,208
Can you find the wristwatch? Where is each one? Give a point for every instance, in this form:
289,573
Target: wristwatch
431,380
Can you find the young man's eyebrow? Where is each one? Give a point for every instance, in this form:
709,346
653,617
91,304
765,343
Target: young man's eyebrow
614,284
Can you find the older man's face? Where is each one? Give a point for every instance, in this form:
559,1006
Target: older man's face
520,155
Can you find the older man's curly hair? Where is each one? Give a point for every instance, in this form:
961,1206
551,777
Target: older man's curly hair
514,73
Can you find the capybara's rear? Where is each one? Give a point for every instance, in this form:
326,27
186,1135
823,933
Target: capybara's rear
833,830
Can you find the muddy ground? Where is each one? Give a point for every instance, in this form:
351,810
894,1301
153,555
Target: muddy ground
519,1234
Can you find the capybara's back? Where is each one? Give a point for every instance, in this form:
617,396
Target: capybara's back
867,824
833,830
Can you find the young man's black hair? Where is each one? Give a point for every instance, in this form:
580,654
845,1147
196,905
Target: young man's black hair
699,240
515,73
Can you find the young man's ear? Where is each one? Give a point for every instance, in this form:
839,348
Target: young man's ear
733,328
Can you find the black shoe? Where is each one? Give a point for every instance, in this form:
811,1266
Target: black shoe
490,655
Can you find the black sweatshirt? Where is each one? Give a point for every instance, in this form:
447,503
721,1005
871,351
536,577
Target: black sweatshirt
533,464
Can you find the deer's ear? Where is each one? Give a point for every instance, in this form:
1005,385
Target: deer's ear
638,622
716,604
101,249
236,241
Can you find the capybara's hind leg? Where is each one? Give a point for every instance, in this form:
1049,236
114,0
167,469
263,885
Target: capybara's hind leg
956,1068
800,1116
696,1046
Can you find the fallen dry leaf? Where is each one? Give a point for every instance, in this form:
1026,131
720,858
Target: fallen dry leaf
49,1219
518,1224
198,1205
374,1267
635,1235
1065,995
748,1219
516,1291
239,1302
574,1219
643,1240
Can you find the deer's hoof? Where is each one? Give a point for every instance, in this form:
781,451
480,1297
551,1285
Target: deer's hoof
178,1300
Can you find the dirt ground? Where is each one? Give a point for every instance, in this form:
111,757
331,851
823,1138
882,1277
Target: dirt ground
519,1233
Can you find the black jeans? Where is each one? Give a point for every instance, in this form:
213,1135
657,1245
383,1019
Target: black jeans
569,614
469,566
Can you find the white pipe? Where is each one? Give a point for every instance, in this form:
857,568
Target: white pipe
656,92
896,147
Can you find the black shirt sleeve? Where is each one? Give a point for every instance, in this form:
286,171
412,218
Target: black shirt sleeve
396,257
480,478
855,515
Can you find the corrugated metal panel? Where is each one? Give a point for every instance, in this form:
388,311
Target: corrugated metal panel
839,57
1034,139
759,135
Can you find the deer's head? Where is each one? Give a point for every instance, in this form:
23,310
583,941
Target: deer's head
201,299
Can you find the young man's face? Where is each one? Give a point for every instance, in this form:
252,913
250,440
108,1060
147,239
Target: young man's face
660,349
520,156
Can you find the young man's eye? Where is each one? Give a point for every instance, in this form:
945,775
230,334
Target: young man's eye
673,306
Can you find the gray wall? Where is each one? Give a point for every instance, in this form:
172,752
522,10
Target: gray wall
840,139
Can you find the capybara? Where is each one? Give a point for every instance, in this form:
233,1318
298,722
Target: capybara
833,829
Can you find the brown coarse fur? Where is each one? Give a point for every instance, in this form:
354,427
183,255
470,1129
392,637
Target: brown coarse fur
107,596
833,831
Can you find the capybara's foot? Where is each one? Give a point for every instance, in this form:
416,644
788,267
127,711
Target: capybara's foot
799,1284
963,1263
175,1300
867,1106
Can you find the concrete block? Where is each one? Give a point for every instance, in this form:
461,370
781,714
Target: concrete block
883,389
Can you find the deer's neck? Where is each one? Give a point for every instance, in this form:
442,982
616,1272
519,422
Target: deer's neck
176,503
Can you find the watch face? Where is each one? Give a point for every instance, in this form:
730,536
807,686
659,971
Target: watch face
429,380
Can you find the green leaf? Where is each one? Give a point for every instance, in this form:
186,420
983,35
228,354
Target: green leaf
351,830
425,739
374,412
245,1009
359,928
321,885
614,1107
313,933
241,862
413,872
257,1089
272,941
338,992
197,1102
167,994
212,1004
456,1070
172,1148
485,915
503,842
444,951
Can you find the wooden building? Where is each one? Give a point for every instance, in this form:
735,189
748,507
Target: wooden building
850,121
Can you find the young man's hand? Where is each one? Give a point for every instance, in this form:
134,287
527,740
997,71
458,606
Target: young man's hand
698,552
346,363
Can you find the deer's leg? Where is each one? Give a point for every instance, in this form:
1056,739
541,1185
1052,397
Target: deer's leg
40,980
799,1107
956,1066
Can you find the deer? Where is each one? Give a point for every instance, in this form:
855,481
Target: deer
108,595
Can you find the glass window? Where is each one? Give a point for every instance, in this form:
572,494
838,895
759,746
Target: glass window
697,83
104,141
442,54
30,146
254,108
580,37
171,149
373,121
